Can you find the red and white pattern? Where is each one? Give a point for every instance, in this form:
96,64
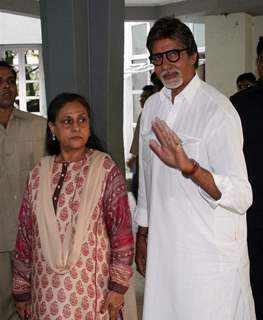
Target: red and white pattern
79,293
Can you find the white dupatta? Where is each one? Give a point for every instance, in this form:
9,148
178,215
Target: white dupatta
61,257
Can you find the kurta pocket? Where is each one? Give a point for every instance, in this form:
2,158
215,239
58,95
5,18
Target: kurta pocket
190,145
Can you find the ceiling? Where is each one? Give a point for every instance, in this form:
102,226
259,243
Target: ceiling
150,10
189,9
145,3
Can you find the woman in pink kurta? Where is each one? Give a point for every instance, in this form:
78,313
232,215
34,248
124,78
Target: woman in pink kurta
73,254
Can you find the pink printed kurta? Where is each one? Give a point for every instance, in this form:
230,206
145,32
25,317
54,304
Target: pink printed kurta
106,252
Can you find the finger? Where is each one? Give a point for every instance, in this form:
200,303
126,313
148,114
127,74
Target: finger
173,136
160,133
141,266
156,148
141,272
160,129
141,269
105,305
27,313
113,313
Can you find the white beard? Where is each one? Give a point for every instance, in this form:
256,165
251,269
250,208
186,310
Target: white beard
172,83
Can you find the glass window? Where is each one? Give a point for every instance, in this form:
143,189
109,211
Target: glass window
32,57
32,105
139,61
139,80
32,89
11,57
139,35
136,76
32,73
199,34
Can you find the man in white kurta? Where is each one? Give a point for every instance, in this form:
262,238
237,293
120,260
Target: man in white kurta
191,213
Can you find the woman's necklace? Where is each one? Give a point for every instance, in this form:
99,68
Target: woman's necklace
71,158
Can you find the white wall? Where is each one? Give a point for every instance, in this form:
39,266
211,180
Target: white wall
231,42
228,49
15,29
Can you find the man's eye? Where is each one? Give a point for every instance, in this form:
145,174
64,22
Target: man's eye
12,81
156,58
8,81
172,54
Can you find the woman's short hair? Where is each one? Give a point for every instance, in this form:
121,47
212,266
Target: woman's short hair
173,28
53,146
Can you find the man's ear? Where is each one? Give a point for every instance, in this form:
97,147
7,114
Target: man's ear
194,58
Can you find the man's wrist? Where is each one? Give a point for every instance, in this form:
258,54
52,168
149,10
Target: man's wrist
142,232
193,170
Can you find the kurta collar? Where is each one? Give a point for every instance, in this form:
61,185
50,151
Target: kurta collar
16,113
188,92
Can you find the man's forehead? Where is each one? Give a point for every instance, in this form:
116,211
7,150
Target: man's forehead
6,72
175,42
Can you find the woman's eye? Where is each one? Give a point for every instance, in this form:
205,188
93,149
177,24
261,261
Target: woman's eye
83,120
67,121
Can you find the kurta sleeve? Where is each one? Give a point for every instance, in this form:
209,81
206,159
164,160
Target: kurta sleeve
22,258
119,228
225,152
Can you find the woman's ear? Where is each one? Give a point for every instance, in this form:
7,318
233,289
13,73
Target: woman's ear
51,127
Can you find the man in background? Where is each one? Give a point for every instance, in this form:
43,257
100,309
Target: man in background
249,105
157,83
245,80
22,143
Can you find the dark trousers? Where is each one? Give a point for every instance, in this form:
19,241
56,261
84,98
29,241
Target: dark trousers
134,185
7,305
255,250
135,181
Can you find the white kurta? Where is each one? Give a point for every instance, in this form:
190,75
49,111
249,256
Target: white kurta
197,261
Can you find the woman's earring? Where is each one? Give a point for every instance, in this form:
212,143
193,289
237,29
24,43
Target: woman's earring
53,136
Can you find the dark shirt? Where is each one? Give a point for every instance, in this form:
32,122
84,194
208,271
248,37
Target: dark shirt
249,105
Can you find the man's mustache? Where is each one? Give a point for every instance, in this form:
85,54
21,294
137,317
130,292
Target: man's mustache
169,71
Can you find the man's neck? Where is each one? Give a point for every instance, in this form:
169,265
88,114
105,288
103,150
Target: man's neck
176,91
5,114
